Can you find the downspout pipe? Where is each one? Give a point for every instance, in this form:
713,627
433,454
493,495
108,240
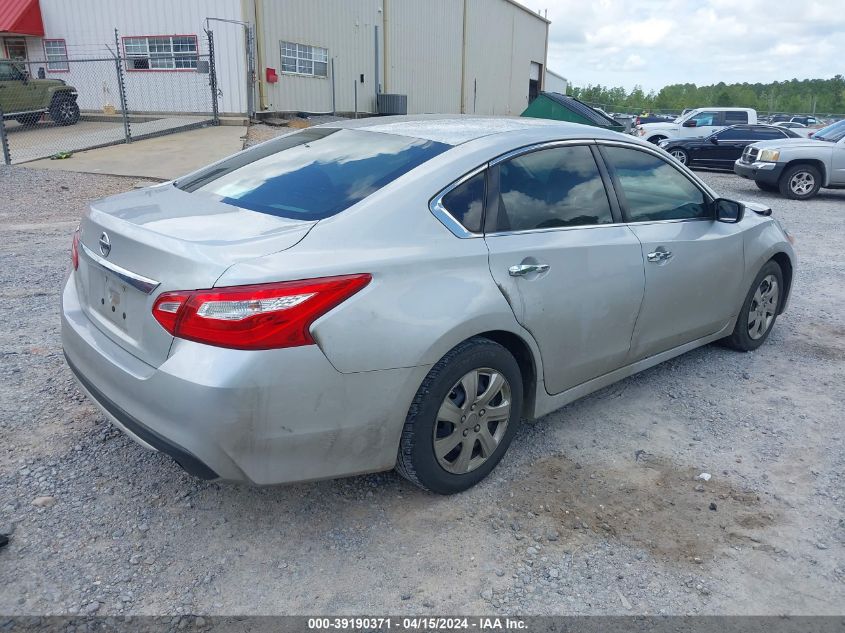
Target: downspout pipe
259,52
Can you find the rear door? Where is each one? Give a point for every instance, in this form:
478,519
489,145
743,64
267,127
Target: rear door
693,264
571,271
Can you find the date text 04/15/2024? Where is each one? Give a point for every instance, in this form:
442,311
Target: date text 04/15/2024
410,623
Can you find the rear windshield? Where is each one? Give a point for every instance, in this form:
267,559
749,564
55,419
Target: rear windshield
313,174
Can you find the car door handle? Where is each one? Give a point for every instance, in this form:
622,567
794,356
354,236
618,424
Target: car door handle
659,256
524,269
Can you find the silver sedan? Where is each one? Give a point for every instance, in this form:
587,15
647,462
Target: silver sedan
403,292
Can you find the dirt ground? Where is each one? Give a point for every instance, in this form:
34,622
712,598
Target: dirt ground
596,509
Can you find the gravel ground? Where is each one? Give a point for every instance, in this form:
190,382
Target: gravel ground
595,509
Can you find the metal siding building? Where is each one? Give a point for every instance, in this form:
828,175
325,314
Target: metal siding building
447,56
556,83
344,27
87,29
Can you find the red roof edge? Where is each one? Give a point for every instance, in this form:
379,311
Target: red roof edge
21,17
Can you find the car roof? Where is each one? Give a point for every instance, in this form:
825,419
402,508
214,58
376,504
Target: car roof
459,129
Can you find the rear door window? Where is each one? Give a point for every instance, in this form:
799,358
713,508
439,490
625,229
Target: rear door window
767,133
551,188
313,174
735,116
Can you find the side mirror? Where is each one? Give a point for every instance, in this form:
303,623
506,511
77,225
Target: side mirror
728,211
714,140
691,123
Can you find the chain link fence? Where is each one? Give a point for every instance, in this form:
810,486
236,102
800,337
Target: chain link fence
132,89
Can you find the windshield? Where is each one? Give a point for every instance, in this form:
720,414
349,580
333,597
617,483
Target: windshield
833,132
313,174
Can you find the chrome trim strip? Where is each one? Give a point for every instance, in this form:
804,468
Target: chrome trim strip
144,284
456,228
539,146
555,228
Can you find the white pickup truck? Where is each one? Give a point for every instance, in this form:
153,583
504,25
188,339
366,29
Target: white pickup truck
696,123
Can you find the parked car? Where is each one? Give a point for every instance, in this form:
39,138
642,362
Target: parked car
778,118
26,100
696,124
804,120
721,149
797,168
642,119
355,296
799,128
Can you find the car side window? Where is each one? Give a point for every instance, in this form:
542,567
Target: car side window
8,72
763,134
556,187
465,202
705,118
734,134
651,189
735,116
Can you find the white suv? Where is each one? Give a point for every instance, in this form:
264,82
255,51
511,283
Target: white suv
697,123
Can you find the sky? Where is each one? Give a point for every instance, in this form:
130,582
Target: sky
653,43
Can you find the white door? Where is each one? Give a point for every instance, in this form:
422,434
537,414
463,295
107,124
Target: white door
702,124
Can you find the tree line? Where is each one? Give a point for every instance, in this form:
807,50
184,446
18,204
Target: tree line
822,96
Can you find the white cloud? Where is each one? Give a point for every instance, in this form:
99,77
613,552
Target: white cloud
658,42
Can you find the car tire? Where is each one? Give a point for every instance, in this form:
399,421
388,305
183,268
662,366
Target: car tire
64,111
766,187
680,155
29,120
800,182
656,139
759,311
473,453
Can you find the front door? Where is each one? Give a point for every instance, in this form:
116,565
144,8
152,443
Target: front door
706,123
693,264
572,273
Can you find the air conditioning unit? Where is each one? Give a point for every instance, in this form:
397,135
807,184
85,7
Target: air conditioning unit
392,104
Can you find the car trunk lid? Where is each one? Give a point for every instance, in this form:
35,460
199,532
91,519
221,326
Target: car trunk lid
136,245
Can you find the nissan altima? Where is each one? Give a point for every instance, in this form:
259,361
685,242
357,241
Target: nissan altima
402,293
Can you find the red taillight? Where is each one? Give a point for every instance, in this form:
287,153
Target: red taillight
264,316
74,250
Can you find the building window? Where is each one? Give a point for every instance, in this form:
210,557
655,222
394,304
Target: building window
56,52
161,52
302,59
16,48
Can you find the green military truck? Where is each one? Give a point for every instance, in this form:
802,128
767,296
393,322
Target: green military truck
26,100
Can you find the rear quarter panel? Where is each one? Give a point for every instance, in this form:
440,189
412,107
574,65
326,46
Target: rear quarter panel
430,289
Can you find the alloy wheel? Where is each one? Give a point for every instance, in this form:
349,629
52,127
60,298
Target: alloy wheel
679,155
472,420
802,183
66,112
763,308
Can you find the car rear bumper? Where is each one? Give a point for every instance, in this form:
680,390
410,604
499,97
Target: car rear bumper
767,173
264,417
